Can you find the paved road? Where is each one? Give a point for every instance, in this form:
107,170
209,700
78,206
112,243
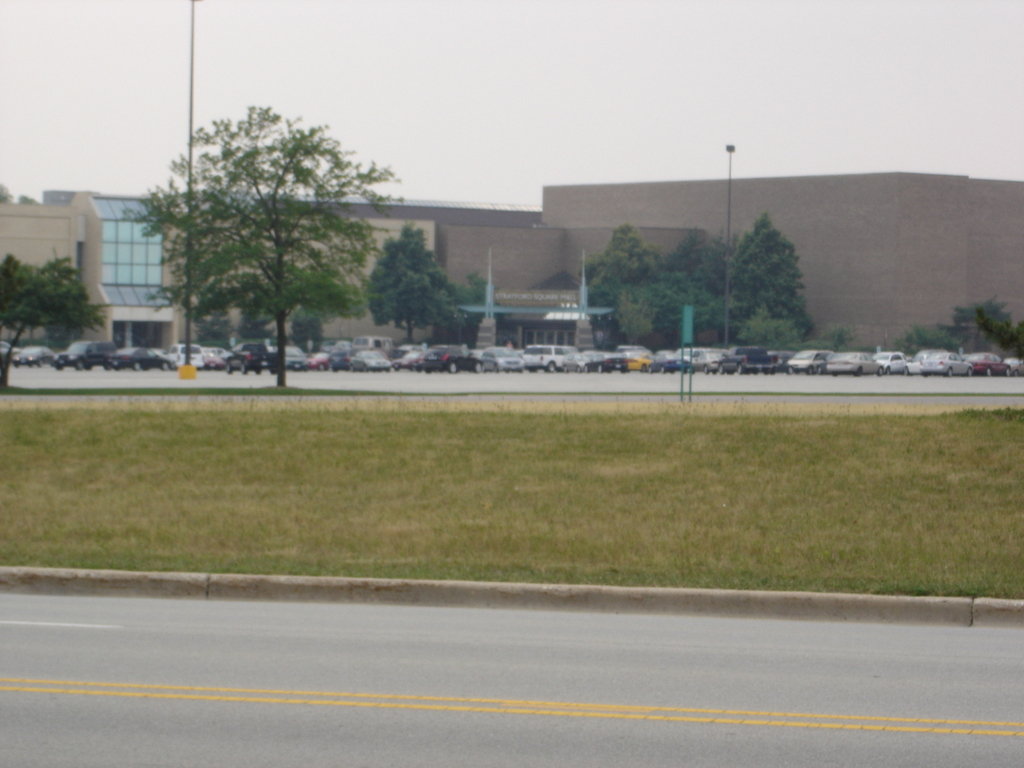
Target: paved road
980,390
138,682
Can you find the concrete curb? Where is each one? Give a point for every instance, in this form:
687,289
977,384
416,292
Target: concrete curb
808,606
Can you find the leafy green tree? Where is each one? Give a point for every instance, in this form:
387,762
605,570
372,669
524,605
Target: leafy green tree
635,317
1002,332
214,329
5,195
837,337
772,332
765,275
307,328
265,228
965,328
37,297
252,326
920,337
408,286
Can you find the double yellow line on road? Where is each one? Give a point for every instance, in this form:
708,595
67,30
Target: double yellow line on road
517,707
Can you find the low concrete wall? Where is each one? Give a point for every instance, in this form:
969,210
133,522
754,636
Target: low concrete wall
808,606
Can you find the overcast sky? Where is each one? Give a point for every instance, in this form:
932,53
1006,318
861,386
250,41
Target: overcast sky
491,100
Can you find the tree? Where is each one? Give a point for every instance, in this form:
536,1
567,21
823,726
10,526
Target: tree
1002,332
765,275
635,317
408,286
307,328
926,337
214,329
265,228
770,332
37,297
965,328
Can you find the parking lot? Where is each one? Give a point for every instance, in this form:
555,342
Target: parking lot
974,390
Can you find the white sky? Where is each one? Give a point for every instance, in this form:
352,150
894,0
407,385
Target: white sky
491,100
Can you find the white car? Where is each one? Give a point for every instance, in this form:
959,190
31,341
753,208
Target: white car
945,364
892,363
546,357
914,364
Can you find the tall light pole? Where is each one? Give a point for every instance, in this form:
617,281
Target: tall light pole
189,370
729,148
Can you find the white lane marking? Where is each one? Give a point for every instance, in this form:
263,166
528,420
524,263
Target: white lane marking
59,624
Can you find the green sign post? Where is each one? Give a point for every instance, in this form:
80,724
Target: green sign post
686,340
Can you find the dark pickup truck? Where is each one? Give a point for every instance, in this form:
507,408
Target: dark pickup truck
749,360
251,357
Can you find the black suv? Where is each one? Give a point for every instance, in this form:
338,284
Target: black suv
449,359
83,355
252,357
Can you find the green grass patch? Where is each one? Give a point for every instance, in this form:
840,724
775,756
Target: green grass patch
879,500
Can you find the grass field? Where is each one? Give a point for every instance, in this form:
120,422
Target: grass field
880,499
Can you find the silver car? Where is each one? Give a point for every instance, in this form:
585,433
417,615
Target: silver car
945,364
853,363
809,361
501,360
892,362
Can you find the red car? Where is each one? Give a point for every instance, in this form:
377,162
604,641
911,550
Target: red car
321,361
987,364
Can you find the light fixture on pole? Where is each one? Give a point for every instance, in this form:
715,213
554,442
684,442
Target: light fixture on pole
729,148
189,371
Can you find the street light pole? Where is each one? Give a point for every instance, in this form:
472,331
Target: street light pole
729,148
189,371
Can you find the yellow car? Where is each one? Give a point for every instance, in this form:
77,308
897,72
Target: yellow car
639,362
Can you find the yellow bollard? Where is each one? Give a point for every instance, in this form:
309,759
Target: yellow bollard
186,371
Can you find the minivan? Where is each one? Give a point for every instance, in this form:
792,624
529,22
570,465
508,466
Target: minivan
545,357
382,344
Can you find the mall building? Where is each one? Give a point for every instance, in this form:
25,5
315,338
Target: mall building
878,252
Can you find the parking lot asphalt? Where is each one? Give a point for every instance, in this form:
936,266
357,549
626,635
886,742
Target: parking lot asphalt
988,391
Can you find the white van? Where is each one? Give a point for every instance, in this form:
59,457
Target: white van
382,344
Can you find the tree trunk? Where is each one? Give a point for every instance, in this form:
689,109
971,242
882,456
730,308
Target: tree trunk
281,321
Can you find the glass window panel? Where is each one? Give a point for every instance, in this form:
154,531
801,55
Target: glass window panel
124,253
138,235
124,274
153,276
109,231
139,274
109,253
153,252
108,273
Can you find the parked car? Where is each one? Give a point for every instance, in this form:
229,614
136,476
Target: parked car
1016,366
706,360
139,359
502,360
340,359
251,357
670,362
988,364
914,364
615,361
748,360
214,359
409,360
809,361
450,359
33,356
945,364
319,361
892,363
83,355
176,352
366,360
853,363
295,359
546,357
583,362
